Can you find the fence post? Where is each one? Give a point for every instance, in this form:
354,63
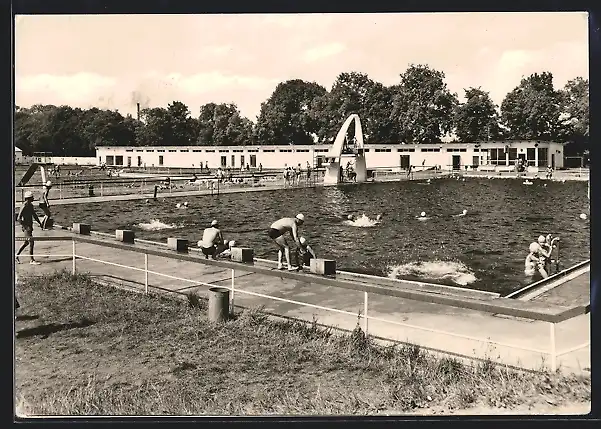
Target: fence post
101,188
145,272
365,312
74,258
233,289
60,191
553,347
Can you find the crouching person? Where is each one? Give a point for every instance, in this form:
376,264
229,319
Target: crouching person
304,253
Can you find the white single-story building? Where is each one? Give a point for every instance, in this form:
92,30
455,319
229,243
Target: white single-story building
497,155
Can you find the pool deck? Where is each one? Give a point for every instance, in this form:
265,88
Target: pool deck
476,324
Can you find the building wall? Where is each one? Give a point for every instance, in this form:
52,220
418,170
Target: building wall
73,160
391,156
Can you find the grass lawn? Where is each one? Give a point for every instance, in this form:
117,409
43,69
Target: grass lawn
88,349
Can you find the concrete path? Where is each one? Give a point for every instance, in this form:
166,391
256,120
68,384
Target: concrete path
474,324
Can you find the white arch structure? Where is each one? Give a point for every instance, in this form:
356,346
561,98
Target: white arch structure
332,175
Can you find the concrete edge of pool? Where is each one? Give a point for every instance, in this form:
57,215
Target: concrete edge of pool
507,333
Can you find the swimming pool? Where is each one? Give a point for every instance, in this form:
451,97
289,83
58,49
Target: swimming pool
485,249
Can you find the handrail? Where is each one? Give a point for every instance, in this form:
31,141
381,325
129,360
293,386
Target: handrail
503,306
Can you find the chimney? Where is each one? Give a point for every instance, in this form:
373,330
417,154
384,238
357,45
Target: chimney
138,104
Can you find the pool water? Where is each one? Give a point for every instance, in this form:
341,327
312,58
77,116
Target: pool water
485,249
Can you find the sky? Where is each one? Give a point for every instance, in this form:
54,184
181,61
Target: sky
115,61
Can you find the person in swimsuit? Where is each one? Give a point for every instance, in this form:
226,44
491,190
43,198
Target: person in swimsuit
212,239
45,204
25,217
304,253
277,233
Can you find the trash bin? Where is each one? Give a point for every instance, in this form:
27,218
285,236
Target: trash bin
91,190
219,304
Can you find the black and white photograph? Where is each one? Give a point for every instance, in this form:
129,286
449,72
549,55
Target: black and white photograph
301,214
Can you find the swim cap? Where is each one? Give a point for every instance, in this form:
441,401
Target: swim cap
214,223
178,205
300,217
185,203
28,194
232,243
534,247
303,240
350,217
464,211
541,239
423,214
48,184
225,242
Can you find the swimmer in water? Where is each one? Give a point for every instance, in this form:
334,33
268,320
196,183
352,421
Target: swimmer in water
463,213
186,204
351,218
277,233
422,216
211,240
379,218
535,261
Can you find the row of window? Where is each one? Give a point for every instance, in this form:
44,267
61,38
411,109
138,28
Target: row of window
429,149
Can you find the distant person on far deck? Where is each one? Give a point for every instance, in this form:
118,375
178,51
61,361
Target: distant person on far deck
212,239
277,233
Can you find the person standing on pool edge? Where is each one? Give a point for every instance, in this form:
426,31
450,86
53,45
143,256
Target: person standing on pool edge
277,233
45,204
25,217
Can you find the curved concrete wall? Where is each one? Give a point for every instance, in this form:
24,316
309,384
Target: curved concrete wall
333,171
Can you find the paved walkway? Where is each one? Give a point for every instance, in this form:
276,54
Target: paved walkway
471,323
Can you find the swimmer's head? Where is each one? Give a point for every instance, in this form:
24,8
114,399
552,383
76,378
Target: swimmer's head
534,247
464,211
48,184
215,223
541,239
378,217
350,217
226,243
232,243
147,200
303,240
186,203
422,214
300,217
178,205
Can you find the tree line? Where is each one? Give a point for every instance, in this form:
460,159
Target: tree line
418,109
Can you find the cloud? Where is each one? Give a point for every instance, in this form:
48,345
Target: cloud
323,51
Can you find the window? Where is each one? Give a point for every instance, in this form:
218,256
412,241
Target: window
543,156
119,160
253,160
149,150
237,150
513,155
223,161
160,150
233,160
476,149
160,159
405,150
252,150
210,150
463,150
110,160
325,150
241,160
268,150
129,161
172,150
530,156
302,150
285,150
223,150
364,150
196,150
129,150
139,150
183,150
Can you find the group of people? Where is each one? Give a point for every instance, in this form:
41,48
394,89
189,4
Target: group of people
293,175
539,258
27,215
213,245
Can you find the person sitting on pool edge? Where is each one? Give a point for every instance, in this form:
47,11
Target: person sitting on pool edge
304,253
212,239
277,233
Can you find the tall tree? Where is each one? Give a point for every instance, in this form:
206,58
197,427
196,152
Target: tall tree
476,119
223,125
575,114
285,117
167,127
532,110
423,105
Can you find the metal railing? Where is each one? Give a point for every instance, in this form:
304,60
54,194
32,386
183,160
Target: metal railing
499,306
